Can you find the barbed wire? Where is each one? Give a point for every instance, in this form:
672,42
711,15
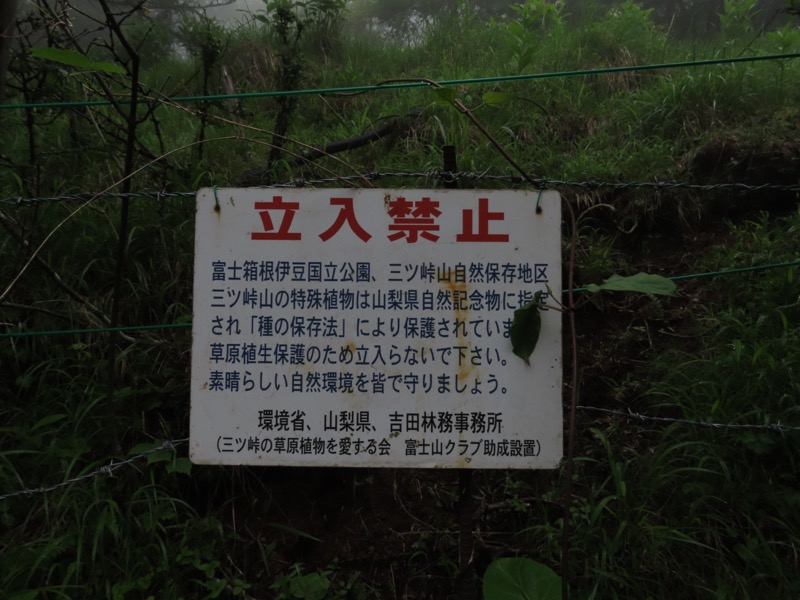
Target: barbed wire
106,470
442,176
84,196
543,182
172,444
773,427
445,176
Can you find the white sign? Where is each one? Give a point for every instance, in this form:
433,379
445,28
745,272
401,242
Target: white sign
370,328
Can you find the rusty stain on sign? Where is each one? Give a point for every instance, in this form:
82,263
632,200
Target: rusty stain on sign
459,297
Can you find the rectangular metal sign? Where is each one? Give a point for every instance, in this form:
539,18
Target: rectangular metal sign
370,328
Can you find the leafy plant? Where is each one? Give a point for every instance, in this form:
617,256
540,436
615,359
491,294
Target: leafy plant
526,325
736,18
73,58
685,494
541,15
321,585
520,579
537,20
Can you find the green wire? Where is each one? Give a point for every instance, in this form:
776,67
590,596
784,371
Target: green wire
368,88
792,263
21,334
417,84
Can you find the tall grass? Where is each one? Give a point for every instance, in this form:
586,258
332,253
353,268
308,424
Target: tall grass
681,511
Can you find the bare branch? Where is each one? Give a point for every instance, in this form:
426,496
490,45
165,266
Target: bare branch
10,225
173,5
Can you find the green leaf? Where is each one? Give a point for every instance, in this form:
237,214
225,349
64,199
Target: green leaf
520,579
516,29
310,587
641,282
215,587
444,96
525,328
180,465
73,58
497,98
145,447
160,456
48,420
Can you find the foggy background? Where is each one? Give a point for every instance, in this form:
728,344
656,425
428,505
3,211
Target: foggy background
239,12
681,17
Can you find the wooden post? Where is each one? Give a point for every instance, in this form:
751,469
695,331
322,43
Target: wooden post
449,162
465,510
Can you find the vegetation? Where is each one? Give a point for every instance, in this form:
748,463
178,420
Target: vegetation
670,508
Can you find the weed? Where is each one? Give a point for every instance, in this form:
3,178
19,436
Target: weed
684,511
322,585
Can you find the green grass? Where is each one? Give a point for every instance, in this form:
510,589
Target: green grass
660,511
739,491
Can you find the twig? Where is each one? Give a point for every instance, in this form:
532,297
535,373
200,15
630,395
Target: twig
573,402
7,221
79,208
26,307
570,309
245,126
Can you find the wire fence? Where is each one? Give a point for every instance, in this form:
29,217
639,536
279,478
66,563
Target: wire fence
111,466
106,470
772,427
188,324
435,175
123,100
172,445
